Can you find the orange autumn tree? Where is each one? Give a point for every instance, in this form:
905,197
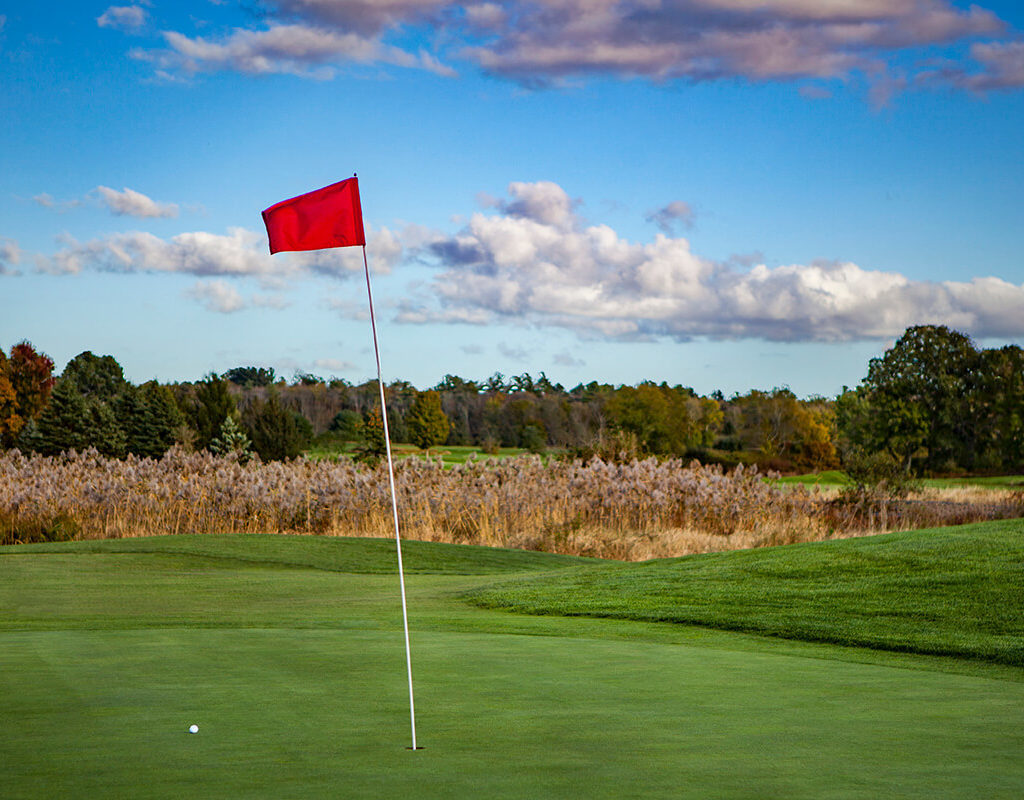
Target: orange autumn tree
26,380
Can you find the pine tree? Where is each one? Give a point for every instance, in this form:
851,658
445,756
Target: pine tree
426,421
232,441
73,421
277,433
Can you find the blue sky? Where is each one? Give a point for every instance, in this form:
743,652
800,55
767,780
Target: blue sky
727,194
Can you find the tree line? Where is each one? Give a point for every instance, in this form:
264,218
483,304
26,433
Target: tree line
932,403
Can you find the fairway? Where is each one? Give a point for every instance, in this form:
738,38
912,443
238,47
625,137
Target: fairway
287,653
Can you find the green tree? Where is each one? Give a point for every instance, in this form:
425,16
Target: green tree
150,418
347,425
1000,415
82,409
74,420
923,400
372,445
210,404
426,421
232,441
642,411
251,376
277,433
97,377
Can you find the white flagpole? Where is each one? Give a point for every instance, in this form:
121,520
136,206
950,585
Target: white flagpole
394,501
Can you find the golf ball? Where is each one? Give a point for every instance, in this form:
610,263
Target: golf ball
193,729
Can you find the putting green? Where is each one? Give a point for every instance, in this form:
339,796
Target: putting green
295,676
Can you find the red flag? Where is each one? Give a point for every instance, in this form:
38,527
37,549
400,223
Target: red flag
328,217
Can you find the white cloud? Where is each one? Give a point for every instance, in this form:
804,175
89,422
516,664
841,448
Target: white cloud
544,42
125,18
712,39
302,50
1002,68
46,200
10,256
239,253
216,296
513,267
131,203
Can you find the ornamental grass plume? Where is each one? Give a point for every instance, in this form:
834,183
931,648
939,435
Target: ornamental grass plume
640,510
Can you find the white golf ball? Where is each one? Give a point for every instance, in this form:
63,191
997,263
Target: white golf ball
193,729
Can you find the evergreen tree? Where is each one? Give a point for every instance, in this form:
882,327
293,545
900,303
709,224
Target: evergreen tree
277,433
232,441
211,403
426,422
346,424
75,421
99,377
150,418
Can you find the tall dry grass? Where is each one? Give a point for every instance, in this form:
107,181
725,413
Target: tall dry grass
641,510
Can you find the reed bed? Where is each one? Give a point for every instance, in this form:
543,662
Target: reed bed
644,509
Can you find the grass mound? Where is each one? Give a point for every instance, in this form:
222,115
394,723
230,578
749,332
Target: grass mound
950,591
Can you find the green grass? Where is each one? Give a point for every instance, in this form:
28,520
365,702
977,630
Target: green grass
948,591
838,478
1015,482
326,447
831,477
287,652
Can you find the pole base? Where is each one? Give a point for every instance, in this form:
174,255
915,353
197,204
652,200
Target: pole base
415,748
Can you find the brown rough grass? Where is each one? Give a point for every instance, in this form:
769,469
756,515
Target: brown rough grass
645,509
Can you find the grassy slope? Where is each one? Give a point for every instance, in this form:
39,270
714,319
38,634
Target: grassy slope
950,591
287,653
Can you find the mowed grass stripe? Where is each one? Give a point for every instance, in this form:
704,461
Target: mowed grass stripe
948,591
333,554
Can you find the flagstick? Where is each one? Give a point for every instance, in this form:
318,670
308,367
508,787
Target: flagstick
394,501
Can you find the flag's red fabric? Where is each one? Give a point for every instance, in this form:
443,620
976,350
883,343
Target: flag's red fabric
328,217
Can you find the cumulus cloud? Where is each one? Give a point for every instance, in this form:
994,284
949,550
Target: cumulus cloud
548,270
10,256
543,42
131,203
125,18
